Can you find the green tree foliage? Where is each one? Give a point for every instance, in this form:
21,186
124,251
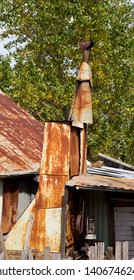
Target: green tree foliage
46,35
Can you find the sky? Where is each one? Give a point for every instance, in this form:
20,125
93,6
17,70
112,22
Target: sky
3,51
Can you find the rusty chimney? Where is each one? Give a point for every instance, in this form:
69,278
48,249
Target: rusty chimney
81,109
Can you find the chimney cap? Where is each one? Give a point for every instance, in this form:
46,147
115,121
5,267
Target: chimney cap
86,45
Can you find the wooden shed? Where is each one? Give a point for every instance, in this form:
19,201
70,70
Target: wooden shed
107,194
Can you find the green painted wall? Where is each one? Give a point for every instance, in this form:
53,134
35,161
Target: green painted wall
97,207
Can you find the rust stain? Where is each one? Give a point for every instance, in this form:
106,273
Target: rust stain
21,138
83,150
50,192
82,111
55,159
85,73
37,238
46,229
53,228
75,151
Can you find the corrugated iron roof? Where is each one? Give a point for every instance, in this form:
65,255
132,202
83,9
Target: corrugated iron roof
112,162
98,182
21,139
111,172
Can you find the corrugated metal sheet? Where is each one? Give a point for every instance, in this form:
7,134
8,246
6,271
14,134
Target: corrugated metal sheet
21,139
112,162
111,172
96,206
24,197
101,183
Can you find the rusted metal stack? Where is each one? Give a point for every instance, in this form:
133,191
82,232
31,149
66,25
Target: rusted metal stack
59,163
63,156
54,172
